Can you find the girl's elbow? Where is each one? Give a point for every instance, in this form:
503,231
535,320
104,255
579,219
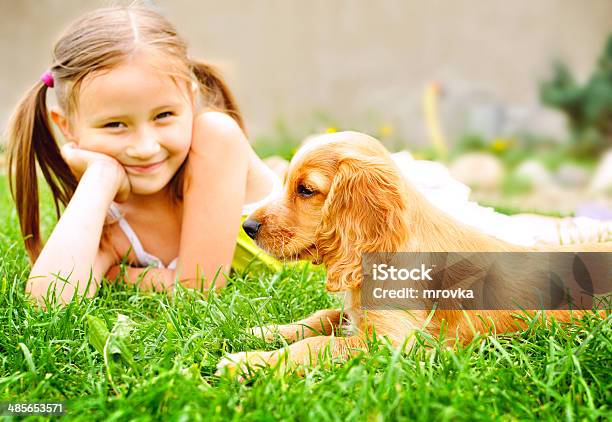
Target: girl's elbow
49,290
38,289
32,289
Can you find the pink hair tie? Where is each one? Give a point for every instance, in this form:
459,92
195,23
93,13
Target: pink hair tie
47,79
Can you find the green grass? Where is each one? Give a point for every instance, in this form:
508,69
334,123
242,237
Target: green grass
165,369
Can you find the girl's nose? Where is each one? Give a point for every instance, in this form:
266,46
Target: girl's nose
145,146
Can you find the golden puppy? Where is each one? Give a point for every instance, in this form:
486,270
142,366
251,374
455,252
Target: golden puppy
343,197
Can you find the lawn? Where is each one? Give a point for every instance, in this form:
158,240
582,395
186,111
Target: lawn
162,360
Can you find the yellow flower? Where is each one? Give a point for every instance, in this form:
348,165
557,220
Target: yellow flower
385,130
501,144
331,129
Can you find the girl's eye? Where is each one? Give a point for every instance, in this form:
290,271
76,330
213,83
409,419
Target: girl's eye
304,192
114,125
164,115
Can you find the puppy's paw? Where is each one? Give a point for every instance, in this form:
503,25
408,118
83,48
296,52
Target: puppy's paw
268,332
232,364
242,364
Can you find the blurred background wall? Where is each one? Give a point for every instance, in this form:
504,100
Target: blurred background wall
365,63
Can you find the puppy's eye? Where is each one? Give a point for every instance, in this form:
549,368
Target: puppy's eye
304,192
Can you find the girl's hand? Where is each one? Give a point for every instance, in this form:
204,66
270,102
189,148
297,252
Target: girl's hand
79,160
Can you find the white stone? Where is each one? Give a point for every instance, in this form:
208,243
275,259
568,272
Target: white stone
572,175
478,170
602,179
534,172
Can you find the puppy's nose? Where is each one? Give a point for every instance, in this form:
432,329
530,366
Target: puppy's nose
251,227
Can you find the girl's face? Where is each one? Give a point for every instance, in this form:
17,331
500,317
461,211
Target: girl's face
141,117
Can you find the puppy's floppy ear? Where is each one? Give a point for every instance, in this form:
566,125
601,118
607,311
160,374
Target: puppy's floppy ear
364,212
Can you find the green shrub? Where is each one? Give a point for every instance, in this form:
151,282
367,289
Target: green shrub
588,107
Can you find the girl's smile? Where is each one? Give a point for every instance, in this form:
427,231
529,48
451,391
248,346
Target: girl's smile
148,168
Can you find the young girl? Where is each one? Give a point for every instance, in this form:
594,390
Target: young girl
156,167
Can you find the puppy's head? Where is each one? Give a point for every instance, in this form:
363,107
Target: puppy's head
342,196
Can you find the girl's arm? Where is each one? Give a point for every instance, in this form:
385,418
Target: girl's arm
71,261
215,184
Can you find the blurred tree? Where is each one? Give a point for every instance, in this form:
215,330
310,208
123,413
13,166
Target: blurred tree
588,107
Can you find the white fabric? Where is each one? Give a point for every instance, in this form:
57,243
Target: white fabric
434,181
143,258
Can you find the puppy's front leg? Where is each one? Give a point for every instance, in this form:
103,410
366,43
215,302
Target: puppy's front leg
304,352
322,322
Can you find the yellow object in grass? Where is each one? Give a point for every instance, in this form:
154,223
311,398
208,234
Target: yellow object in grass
434,128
